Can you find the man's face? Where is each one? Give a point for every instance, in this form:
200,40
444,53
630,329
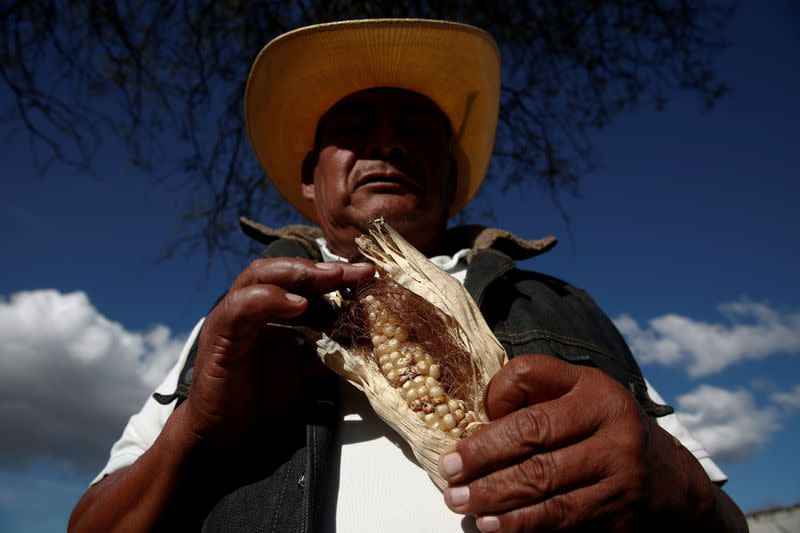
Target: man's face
381,153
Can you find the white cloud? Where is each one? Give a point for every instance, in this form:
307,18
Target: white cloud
753,331
727,422
788,400
70,377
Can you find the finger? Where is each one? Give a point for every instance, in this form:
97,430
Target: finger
304,275
562,512
526,380
525,432
530,481
356,274
243,312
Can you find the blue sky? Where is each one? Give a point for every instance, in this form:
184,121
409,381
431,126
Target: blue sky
686,236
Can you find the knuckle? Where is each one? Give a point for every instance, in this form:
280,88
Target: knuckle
224,309
525,519
634,431
538,473
260,267
618,403
522,367
531,426
242,302
556,512
298,273
261,262
618,407
559,513
511,374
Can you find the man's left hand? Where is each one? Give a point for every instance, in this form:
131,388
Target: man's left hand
569,448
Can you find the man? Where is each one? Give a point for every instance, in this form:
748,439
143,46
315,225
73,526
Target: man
394,118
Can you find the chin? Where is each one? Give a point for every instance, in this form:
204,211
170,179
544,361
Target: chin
394,210
420,229
418,224
404,221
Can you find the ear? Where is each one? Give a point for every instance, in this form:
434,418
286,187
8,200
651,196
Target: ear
307,175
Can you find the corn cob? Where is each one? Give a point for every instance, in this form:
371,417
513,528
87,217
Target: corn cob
410,369
431,399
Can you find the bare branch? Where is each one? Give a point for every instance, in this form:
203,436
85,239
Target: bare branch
172,73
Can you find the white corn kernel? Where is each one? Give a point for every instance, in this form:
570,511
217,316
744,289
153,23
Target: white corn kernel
377,340
409,367
448,422
431,419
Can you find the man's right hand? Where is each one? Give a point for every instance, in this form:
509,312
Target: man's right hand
240,363
244,367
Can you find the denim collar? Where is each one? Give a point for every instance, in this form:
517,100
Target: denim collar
474,237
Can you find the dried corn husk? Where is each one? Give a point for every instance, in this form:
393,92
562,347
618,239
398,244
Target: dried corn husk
395,257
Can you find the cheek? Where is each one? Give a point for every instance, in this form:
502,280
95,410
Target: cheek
332,171
330,181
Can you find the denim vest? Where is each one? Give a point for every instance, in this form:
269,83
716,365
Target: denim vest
528,313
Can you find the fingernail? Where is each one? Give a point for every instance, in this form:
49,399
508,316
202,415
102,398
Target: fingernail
458,496
360,265
452,464
326,266
488,524
296,298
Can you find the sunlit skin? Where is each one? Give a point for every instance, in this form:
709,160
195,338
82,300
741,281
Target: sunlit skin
381,153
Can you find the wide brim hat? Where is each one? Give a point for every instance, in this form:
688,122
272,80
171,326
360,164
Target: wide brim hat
300,75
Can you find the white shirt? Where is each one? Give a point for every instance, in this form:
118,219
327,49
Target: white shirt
374,459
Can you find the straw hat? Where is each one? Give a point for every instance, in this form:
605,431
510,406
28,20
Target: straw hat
301,74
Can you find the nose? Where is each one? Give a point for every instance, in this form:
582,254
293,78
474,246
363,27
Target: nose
385,143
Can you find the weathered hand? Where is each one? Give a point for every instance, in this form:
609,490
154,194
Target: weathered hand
569,448
244,367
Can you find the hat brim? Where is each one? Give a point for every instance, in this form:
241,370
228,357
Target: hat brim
299,75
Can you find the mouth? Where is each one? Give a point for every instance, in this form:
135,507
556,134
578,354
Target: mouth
390,181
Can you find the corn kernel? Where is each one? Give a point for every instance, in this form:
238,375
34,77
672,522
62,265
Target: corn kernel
448,422
409,367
